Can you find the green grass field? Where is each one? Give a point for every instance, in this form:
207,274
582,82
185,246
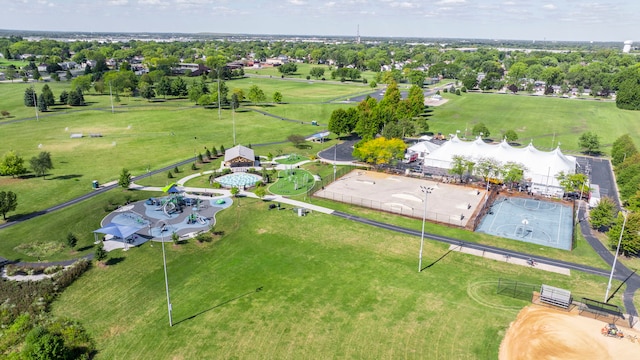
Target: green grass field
329,288
544,120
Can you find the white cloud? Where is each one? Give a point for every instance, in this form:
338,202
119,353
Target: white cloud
405,5
451,2
297,2
118,2
549,7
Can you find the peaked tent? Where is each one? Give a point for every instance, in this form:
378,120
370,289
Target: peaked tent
118,230
542,166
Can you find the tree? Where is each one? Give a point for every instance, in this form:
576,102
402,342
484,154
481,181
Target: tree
147,92
41,164
589,141
316,72
573,182
277,97
42,104
511,135
29,97
415,101
297,140
480,129
458,165
628,94
36,74
76,98
72,240
235,101
68,75
165,87
125,179
470,80
260,192
8,202
603,215
622,149
99,253
235,191
49,99
380,151
488,168
64,97
41,344
630,244
179,87
82,82
288,68
256,95
12,164
339,122
513,172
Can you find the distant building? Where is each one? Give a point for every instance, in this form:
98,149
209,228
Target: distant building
627,46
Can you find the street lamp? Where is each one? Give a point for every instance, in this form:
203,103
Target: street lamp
426,191
166,280
615,259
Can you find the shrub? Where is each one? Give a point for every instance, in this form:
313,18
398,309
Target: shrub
169,175
52,269
193,166
216,185
176,170
308,77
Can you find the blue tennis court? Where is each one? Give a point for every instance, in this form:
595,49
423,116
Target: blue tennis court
535,221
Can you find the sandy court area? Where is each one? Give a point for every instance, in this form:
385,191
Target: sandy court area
541,333
433,102
446,203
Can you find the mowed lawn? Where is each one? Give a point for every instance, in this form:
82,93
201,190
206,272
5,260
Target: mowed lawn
546,121
281,286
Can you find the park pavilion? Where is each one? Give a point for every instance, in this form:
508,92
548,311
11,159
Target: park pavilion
239,156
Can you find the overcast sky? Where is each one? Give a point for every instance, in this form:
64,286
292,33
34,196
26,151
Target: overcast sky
579,20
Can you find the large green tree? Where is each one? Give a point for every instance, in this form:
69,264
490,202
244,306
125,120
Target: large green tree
8,202
622,148
480,129
380,151
12,164
256,95
590,142
41,164
288,68
603,215
125,179
630,243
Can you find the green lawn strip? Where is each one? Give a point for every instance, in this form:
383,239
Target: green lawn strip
306,113
581,254
329,287
536,118
291,159
52,229
292,182
293,91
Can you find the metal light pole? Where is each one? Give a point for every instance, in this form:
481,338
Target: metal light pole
166,280
615,259
335,150
426,191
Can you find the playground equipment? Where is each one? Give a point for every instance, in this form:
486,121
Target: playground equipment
195,218
612,331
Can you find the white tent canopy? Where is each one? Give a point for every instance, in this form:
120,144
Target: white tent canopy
542,166
423,148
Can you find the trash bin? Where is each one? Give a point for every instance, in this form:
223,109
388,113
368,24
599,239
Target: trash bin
94,184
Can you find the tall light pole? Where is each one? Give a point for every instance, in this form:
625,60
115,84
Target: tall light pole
615,259
426,191
166,280
335,150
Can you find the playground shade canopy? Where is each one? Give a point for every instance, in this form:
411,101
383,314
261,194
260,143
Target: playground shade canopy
117,230
171,189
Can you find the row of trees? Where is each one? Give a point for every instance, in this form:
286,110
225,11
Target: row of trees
487,168
46,98
391,116
12,164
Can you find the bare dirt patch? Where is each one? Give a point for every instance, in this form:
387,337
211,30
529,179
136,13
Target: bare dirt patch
544,333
